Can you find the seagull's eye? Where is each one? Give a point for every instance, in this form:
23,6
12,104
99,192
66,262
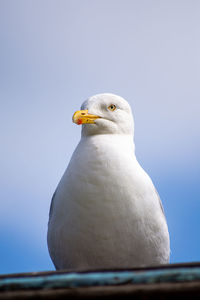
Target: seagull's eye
112,107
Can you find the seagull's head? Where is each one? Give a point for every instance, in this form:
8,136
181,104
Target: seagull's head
105,114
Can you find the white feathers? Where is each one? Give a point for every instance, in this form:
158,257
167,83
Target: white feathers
106,212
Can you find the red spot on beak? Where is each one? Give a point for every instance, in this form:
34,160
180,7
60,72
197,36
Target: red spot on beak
79,122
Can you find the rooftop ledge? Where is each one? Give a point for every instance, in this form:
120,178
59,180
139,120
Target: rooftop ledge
173,280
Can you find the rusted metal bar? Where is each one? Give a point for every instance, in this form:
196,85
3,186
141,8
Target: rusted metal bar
178,280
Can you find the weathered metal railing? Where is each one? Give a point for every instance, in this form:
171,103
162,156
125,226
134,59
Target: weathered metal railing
164,282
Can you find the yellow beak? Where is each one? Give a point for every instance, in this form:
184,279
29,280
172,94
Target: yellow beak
82,117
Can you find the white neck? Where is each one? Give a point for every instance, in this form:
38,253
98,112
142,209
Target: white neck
117,141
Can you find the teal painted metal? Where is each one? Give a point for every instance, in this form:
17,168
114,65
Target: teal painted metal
69,280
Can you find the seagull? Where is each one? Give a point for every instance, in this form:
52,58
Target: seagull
106,212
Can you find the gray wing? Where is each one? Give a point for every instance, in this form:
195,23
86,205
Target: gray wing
51,206
160,202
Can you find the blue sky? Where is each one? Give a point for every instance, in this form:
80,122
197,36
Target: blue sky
53,56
